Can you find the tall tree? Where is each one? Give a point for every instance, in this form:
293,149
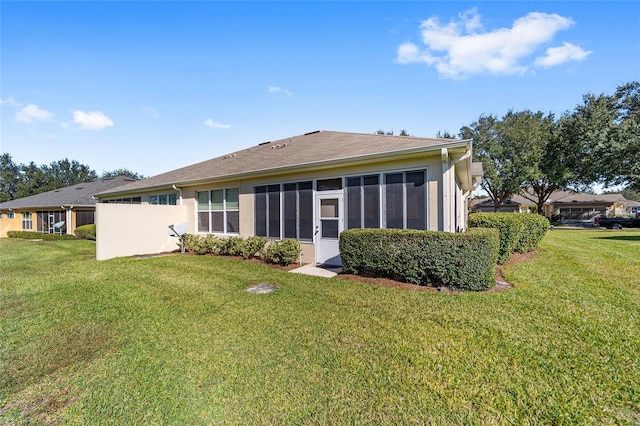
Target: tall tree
9,178
122,172
552,172
509,149
64,173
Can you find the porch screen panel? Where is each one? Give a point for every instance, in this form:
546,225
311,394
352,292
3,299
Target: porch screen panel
394,200
273,211
85,217
305,211
371,201
290,210
416,200
261,210
354,202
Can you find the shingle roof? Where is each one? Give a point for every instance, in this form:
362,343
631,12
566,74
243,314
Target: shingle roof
312,148
76,195
580,197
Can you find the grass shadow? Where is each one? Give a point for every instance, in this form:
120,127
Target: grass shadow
619,238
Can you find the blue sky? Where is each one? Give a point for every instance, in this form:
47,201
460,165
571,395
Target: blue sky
153,86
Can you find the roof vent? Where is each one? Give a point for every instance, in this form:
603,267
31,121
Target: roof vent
280,145
311,133
230,156
80,187
264,143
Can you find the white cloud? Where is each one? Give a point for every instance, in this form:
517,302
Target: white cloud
559,55
32,113
276,89
215,125
461,47
95,120
10,101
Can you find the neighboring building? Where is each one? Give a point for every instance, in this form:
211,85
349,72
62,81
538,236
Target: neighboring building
67,208
308,187
563,206
631,207
515,204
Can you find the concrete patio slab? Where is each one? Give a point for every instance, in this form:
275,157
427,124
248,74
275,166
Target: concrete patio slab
317,271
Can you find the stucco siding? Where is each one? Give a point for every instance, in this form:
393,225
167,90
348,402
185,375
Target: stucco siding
137,229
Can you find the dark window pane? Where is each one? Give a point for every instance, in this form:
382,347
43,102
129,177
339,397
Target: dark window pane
172,199
329,184
217,221
371,195
393,200
261,189
416,201
84,218
305,211
203,200
329,228
354,203
290,211
305,185
274,213
233,222
136,200
203,221
261,212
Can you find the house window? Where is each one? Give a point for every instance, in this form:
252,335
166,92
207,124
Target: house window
11,215
126,200
284,211
218,211
27,222
164,199
404,205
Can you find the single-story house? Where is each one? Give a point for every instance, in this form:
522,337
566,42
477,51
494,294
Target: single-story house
308,187
58,211
514,204
562,206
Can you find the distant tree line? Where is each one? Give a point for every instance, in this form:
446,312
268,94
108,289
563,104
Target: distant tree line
534,153
23,180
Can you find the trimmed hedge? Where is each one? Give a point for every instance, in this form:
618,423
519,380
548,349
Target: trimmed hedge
282,252
535,228
86,232
464,261
519,232
30,235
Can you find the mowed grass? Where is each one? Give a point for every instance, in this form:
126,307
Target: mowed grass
177,340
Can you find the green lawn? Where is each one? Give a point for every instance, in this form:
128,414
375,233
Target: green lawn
176,340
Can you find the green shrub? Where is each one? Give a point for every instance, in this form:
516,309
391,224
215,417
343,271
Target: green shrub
86,232
510,226
252,246
463,261
284,252
230,246
30,235
535,227
193,244
210,244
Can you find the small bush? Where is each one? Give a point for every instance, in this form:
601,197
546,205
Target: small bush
284,252
193,244
86,232
510,226
252,246
210,244
30,235
230,246
462,261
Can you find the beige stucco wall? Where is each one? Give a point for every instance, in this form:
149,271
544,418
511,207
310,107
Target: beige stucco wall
7,224
137,229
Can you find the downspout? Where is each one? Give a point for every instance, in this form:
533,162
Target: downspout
180,192
446,193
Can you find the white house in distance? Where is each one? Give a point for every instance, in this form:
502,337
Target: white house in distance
308,187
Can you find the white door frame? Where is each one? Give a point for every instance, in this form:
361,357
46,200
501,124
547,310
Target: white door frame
327,248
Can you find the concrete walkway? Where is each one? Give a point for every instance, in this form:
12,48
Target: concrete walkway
317,271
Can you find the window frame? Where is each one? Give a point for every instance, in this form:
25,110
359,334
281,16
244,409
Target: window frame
264,197
225,210
27,219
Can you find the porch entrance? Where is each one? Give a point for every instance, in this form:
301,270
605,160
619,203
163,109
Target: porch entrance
329,224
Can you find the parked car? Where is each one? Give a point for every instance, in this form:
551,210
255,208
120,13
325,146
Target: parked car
618,222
